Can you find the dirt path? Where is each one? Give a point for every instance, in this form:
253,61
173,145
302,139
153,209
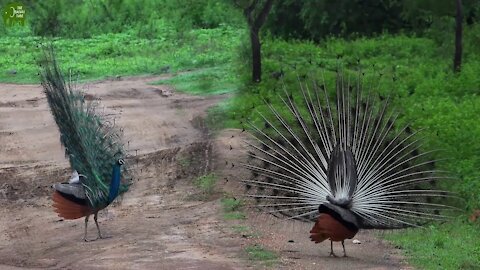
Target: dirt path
160,223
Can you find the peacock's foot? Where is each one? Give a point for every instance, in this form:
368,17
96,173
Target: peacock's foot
104,237
333,254
89,240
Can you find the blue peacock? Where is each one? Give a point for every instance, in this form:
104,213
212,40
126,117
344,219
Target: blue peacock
92,144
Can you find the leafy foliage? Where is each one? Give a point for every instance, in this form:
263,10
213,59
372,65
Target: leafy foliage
121,54
319,19
82,19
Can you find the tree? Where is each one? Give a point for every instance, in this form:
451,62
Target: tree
457,59
256,12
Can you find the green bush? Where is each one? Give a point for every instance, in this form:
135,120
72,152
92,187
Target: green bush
84,19
120,54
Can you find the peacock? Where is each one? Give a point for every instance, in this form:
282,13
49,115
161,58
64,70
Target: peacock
92,144
342,163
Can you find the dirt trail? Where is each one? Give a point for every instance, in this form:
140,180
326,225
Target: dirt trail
160,223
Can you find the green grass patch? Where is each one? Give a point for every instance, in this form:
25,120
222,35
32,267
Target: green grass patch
208,81
454,245
232,208
122,54
220,115
261,254
234,215
231,204
206,183
241,228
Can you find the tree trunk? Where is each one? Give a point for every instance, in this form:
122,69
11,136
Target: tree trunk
256,56
254,25
457,60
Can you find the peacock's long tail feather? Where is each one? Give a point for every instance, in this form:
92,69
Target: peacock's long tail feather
348,151
92,143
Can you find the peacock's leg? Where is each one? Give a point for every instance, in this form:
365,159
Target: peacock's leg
344,252
86,224
331,249
98,227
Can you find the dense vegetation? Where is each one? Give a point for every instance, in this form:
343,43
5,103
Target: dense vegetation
412,41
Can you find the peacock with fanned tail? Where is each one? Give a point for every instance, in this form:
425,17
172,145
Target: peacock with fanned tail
342,163
92,144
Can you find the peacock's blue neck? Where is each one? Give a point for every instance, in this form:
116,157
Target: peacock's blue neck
115,183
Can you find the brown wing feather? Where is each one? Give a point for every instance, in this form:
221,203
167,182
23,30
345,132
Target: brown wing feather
328,227
68,209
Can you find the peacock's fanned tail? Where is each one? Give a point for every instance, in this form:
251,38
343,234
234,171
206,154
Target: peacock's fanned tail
91,142
379,172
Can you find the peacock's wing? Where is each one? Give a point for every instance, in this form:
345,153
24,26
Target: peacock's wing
75,190
348,149
91,143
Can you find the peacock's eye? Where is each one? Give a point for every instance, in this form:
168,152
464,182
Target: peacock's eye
121,161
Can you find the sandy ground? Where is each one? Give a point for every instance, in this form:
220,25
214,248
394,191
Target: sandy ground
163,222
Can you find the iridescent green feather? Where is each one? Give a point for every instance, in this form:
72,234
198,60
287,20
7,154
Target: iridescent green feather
91,143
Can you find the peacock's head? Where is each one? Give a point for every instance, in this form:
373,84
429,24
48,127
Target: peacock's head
121,161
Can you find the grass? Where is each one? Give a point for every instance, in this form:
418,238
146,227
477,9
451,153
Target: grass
206,183
208,81
232,208
454,245
231,204
234,215
122,54
260,254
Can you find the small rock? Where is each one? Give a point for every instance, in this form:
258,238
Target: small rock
291,241
13,72
355,241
